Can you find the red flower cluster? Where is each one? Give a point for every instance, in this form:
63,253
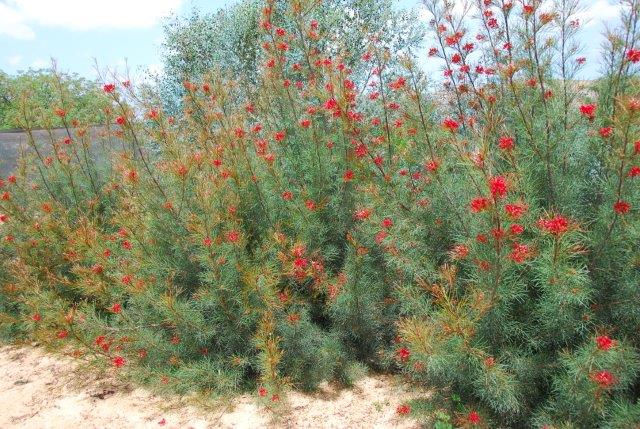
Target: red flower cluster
498,186
606,132
519,253
403,409
403,354
633,55
506,143
479,204
604,342
118,361
451,124
603,378
362,214
588,110
474,418
621,207
557,225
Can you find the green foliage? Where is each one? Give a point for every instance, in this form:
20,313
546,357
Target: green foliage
310,221
229,40
31,94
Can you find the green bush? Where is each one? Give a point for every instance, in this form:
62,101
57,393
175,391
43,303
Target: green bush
481,239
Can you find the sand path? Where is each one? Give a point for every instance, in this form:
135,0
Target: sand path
40,390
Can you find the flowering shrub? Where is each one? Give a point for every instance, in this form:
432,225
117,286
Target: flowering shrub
482,240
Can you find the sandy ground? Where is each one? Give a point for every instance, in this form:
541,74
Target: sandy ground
39,390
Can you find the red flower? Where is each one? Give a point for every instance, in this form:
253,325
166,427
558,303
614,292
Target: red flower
557,225
287,195
36,317
361,150
636,147
118,361
403,409
348,176
633,55
403,354
604,342
279,136
479,204
300,262
62,334
474,418
588,110
515,210
516,229
604,378
431,165
622,207
498,186
109,88
450,124
61,113
398,83
459,251
606,132
262,392
519,253
305,123
331,104
310,204
3,218
506,143
120,120
207,242
362,214
387,222
233,236
116,308
634,171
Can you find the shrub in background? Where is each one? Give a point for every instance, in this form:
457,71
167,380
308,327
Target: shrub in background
481,239
35,91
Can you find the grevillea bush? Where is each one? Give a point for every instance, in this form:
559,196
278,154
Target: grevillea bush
481,238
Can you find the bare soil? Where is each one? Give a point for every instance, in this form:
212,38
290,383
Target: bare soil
40,390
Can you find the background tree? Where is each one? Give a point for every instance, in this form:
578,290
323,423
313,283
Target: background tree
229,40
41,89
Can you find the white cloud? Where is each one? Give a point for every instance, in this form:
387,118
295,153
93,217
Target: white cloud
599,12
40,63
17,16
12,24
14,60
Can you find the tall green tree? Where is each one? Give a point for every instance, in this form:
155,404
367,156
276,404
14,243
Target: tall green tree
229,39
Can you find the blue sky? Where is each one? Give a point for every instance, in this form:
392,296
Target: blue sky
74,32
